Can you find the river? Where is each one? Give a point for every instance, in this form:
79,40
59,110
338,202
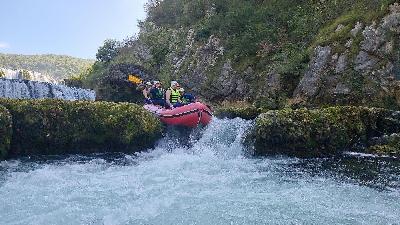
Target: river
206,178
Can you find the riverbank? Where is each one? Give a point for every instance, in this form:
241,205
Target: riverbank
51,127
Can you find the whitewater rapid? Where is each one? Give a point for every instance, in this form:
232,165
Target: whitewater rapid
206,179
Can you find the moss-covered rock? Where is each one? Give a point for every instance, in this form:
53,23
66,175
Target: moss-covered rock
320,132
5,132
389,146
60,127
244,112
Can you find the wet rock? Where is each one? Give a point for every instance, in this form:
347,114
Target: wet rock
319,132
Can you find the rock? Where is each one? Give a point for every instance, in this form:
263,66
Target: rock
357,28
364,62
52,127
388,145
392,21
247,112
341,63
339,28
226,83
204,58
349,43
342,89
318,132
5,132
311,82
373,38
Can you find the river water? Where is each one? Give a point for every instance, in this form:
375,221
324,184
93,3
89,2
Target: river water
207,178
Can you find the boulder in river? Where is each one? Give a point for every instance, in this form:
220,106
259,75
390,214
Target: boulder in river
52,127
5,131
323,132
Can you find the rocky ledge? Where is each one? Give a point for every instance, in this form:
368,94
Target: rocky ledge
326,132
50,127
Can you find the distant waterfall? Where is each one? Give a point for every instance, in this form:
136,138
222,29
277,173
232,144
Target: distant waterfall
26,89
35,76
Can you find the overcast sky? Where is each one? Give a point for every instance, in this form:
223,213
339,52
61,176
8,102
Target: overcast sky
68,27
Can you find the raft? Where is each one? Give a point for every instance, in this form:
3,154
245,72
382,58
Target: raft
191,115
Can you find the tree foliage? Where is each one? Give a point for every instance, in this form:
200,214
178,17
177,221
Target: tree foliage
57,66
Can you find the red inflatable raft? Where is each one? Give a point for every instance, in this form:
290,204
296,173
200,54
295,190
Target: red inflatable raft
190,115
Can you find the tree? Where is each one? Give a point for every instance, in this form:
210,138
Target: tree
2,74
108,51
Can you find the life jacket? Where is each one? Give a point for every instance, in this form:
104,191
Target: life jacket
187,98
156,94
175,96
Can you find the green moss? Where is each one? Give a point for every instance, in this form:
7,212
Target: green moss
362,11
244,112
391,147
318,132
61,127
5,132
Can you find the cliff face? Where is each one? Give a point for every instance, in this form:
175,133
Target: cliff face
270,53
362,70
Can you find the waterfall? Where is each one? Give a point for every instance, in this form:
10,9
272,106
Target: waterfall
35,76
27,89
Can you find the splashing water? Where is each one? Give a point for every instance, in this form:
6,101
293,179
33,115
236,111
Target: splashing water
208,181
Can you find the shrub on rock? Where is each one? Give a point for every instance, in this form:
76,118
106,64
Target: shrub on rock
5,132
61,127
320,132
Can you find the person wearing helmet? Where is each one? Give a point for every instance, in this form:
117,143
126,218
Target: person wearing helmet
186,98
157,94
146,93
173,96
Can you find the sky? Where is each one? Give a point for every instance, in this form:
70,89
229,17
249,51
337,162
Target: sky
67,27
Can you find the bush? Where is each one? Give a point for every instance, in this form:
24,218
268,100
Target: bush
321,132
61,127
5,132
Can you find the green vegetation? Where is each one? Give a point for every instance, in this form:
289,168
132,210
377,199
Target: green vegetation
267,36
5,132
59,127
57,66
244,111
321,132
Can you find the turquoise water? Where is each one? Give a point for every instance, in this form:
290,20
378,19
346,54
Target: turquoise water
207,179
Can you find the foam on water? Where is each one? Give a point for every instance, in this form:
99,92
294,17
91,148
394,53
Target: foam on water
209,181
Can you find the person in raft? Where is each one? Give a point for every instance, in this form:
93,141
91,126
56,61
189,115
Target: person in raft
186,98
173,96
146,93
157,94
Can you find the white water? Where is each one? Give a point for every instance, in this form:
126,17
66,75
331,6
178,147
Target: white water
209,182
26,89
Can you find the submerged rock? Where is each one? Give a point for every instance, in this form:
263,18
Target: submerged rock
321,132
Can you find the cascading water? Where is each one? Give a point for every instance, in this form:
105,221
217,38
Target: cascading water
26,89
207,180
